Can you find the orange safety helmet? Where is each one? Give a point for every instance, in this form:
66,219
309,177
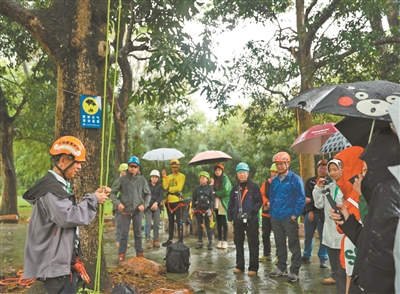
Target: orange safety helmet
71,146
281,157
219,165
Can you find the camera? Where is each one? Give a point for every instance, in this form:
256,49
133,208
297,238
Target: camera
243,217
325,181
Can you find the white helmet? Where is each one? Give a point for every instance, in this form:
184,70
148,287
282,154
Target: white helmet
155,172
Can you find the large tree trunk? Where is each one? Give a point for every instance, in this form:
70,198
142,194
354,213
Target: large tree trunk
74,34
304,119
9,179
120,108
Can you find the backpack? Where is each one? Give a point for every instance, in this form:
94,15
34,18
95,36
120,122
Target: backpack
204,199
177,258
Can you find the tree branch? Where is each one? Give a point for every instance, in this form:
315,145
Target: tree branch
324,16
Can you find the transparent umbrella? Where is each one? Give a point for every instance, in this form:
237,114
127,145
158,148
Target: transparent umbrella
162,154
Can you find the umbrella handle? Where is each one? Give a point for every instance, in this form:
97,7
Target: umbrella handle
372,130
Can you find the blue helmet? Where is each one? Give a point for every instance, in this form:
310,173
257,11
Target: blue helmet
243,166
134,159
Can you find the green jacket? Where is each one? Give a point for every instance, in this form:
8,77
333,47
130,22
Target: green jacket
223,192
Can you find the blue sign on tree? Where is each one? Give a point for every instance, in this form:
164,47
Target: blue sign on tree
90,111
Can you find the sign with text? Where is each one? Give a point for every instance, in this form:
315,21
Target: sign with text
90,111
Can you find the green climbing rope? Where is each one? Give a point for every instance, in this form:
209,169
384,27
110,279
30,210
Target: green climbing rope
97,282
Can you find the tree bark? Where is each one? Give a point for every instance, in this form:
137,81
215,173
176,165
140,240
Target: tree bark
9,204
304,119
73,33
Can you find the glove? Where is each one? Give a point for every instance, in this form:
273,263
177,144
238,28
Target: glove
209,212
80,268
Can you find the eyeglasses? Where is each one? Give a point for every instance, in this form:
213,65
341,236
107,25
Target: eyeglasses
133,166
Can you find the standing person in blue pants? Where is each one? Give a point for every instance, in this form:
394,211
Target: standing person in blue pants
287,200
314,219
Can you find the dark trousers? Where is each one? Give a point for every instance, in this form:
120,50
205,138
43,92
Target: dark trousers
126,219
338,273
251,230
290,229
62,285
309,231
222,226
266,235
172,217
200,218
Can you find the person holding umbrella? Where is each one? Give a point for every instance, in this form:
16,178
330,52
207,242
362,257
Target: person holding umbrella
222,187
244,203
203,204
374,267
173,184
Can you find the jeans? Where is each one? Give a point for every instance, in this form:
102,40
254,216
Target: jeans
152,215
309,230
282,229
266,235
222,226
136,218
251,230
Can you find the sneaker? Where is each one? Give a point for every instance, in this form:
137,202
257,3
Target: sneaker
166,243
121,257
139,254
265,258
209,246
224,245
305,260
278,273
292,278
323,264
219,245
149,244
328,281
199,245
237,271
252,273
156,244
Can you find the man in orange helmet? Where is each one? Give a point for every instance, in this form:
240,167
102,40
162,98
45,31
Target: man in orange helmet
52,251
287,200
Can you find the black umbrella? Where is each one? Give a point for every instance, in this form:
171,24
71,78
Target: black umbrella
362,99
358,130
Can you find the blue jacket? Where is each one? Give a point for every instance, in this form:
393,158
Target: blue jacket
251,203
287,197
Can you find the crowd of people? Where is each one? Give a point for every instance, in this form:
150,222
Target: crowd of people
353,202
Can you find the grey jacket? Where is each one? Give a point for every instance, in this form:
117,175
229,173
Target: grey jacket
330,236
51,232
134,191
